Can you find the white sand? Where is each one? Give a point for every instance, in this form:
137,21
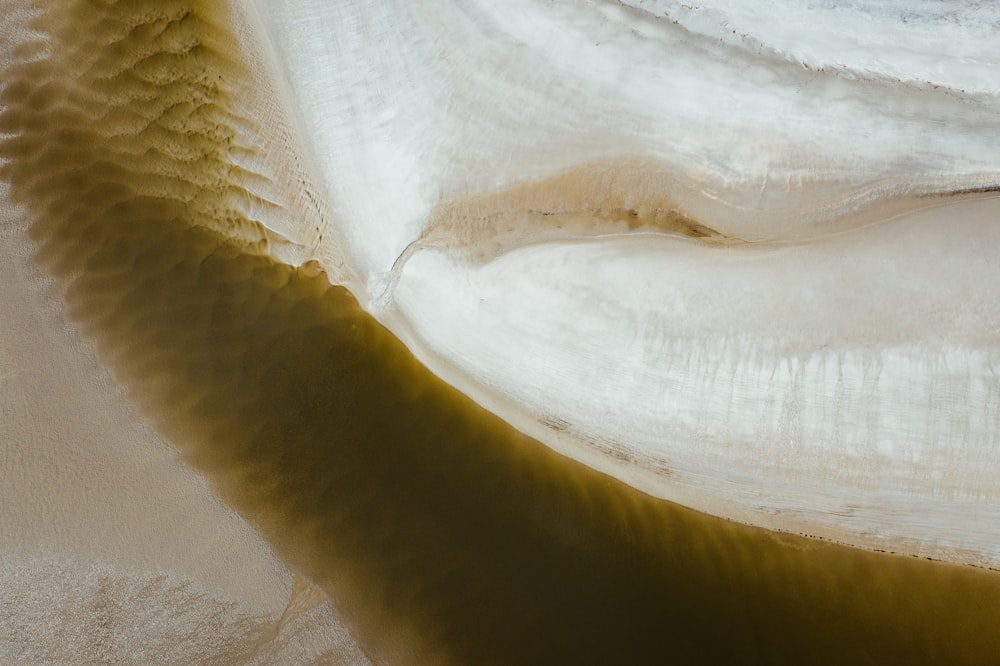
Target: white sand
408,105
845,388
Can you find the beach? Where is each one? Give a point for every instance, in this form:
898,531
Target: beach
273,394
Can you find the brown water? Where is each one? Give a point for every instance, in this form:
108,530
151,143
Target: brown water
444,535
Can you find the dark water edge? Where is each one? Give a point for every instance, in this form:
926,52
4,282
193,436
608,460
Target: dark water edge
444,535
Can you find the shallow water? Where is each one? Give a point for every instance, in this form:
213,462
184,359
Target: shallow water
442,532
444,535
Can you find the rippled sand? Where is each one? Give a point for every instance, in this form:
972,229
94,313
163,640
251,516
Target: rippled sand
440,533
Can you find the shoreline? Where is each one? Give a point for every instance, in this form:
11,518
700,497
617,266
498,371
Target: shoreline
813,513
102,520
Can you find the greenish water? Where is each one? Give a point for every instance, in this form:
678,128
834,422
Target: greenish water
443,534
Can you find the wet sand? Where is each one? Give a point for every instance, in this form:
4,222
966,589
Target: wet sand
111,550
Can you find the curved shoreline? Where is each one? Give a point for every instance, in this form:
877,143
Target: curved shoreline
454,161
443,532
